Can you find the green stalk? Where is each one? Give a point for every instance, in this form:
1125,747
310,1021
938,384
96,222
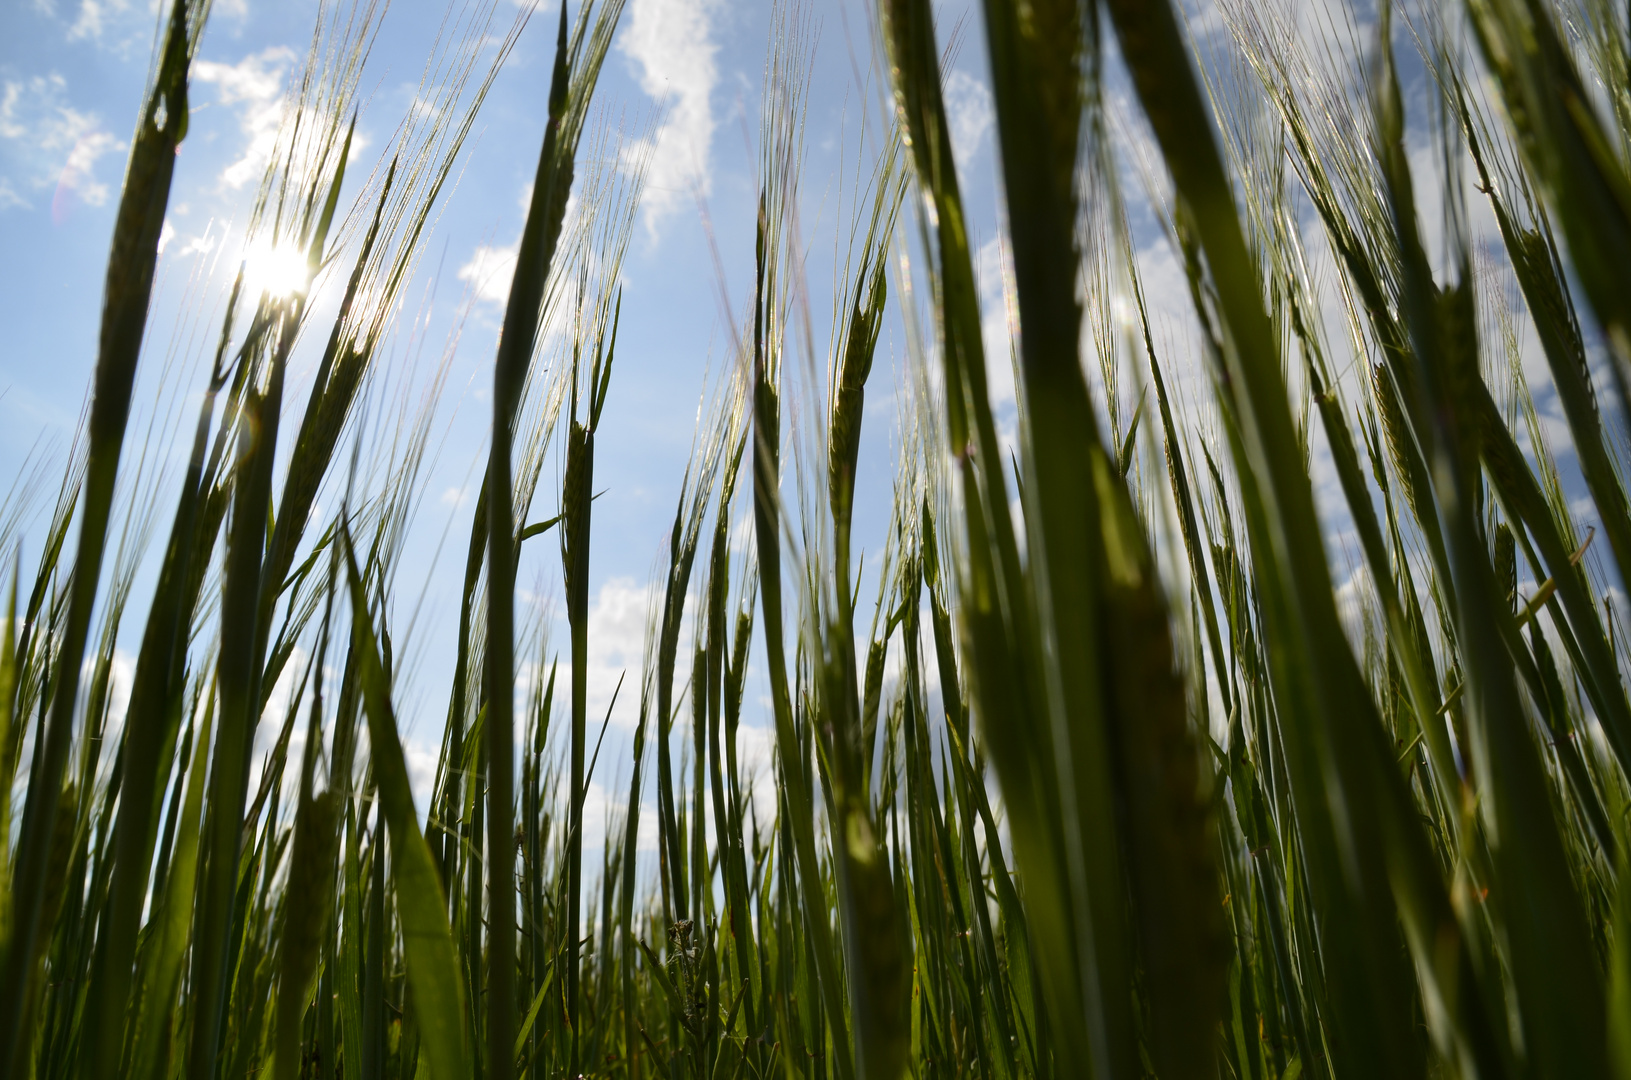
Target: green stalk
1561,997
155,692
373,969
877,960
214,940
1569,156
128,287
551,185
1331,729
576,505
722,759
790,754
430,956
1539,270
681,554
1043,723
172,915
631,835
311,878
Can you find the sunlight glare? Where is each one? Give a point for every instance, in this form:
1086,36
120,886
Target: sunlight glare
279,271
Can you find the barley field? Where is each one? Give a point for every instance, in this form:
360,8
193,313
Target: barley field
1248,700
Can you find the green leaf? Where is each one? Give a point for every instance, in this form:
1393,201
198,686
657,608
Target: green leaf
430,956
170,924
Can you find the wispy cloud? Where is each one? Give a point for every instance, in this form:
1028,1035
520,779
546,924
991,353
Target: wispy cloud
671,49
968,103
255,85
489,272
93,18
49,143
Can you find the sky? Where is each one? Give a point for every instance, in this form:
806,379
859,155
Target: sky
687,74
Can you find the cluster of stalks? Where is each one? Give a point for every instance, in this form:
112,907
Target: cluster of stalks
1113,780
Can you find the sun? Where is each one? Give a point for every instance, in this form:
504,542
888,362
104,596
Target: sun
277,270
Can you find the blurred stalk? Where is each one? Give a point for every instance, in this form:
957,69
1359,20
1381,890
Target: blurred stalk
129,285
1549,946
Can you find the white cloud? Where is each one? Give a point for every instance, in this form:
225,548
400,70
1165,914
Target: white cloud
257,78
123,27
121,673
255,85
603,807
969,104
283,695
756,759
489,272
670,46
618,616
49,143
617,638
76,174
93,16
421,760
